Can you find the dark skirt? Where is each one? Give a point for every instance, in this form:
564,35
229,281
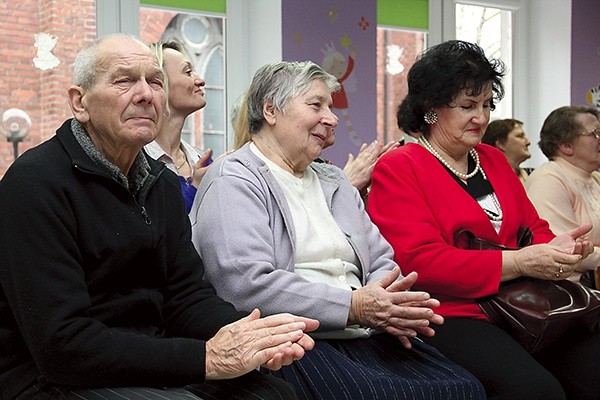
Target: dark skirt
378,368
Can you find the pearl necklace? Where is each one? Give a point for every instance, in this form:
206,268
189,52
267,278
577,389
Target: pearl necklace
425,143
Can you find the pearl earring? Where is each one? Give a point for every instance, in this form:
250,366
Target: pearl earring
430,117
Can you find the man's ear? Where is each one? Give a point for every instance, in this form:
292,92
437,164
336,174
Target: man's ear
566,149
269,112
77,104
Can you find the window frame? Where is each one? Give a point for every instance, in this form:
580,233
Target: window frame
442,27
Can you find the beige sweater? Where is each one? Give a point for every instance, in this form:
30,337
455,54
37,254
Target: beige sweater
567,196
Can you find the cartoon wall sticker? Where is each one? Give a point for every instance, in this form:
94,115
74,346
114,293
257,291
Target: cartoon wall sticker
593,96
341,67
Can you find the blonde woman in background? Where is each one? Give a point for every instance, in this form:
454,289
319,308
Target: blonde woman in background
185,96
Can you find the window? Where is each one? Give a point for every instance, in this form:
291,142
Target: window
202,39
491,29
397,50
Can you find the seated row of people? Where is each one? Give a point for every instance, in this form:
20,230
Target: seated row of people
288,234
423,194
302,246
109,296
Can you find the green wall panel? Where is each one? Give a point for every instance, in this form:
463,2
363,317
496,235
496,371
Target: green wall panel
403,13
217,6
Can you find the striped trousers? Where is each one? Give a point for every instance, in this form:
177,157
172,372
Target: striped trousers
379,368
252,386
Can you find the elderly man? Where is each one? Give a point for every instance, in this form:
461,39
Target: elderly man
101,288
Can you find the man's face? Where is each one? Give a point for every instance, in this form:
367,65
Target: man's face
124,108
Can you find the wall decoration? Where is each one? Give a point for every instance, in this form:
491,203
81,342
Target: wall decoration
340,36
593,96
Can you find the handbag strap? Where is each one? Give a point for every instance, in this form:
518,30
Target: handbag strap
465,239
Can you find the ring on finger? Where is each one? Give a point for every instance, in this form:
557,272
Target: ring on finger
560,270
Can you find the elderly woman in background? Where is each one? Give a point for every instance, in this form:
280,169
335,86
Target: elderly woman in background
424,193
280,232
508,136
566,189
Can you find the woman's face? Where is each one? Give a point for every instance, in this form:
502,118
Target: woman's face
306,126
462,123
516,146
586,147
186,93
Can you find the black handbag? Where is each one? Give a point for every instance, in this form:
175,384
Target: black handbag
536,312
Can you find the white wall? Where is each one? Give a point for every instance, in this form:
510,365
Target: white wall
549,69
253,39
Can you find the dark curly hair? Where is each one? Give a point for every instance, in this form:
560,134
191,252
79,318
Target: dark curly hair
440,74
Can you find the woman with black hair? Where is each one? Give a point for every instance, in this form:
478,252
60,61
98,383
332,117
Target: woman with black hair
423,194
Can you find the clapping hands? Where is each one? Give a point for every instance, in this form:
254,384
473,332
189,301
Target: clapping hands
389,306
272,342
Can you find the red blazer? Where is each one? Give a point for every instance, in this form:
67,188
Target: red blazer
419,207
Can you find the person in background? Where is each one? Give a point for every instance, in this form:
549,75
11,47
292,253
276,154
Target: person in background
304,244
426,193
101,291
508,136
185,96
566,190
239,122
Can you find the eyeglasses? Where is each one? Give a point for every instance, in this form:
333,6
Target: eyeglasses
595,132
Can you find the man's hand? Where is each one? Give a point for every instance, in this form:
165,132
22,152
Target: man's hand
273,342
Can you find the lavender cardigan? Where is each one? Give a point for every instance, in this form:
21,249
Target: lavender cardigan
243,229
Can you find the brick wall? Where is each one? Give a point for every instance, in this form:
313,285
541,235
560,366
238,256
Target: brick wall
42,94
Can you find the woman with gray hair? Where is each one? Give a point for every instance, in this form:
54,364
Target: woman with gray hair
280,232
566,190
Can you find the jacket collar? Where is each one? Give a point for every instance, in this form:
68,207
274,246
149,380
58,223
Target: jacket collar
86,156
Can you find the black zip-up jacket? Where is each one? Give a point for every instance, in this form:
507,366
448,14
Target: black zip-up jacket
99,288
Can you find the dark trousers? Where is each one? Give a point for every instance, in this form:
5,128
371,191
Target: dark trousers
567,370
252,386
378,368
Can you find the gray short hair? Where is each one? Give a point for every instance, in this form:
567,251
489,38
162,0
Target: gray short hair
86,61
280,82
